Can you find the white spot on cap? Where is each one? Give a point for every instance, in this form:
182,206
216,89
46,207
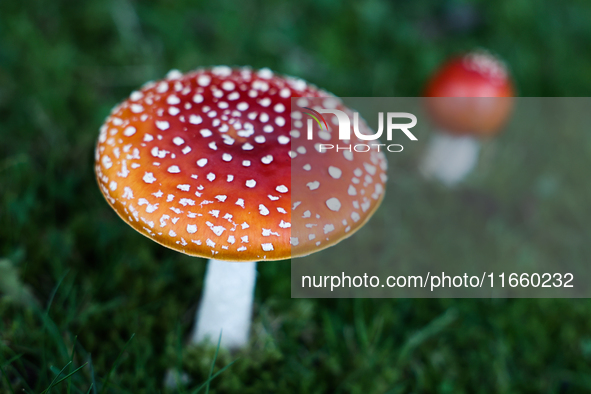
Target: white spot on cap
173,100
279,108
228,85
210,176
178,141
107,162
226,157
267,159
204,80
328,228
283,139
323,135
265,73
191,228
195,119
162,124
251,183
242,106
184,188
174,169
294,241
263,210
267,247
352,191
282,189
149,177
186,149
369,168
215,213
174,74
355,216
127,193
240,202
162,87
333,204
206,133
129,131
136,108
198,98
202,162
186,201
313,185
222,71
335,172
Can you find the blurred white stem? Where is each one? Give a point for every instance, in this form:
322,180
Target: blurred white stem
450,158
226,304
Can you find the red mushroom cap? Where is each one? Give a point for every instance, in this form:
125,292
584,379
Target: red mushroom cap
202,163
478,75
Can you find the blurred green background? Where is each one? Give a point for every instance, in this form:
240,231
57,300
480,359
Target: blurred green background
77,282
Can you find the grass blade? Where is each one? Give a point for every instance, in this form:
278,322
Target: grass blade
106,384
93,385
215,357
70,374
7,380
434,327
56,378
206,383
71,361
13,359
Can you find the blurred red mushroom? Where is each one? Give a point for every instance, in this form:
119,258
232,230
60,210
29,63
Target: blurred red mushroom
468,98
202,163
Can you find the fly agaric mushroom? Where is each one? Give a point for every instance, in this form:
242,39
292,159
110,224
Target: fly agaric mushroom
203,163
469,98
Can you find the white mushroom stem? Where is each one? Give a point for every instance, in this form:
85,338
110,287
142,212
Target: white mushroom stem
226,304
449,158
